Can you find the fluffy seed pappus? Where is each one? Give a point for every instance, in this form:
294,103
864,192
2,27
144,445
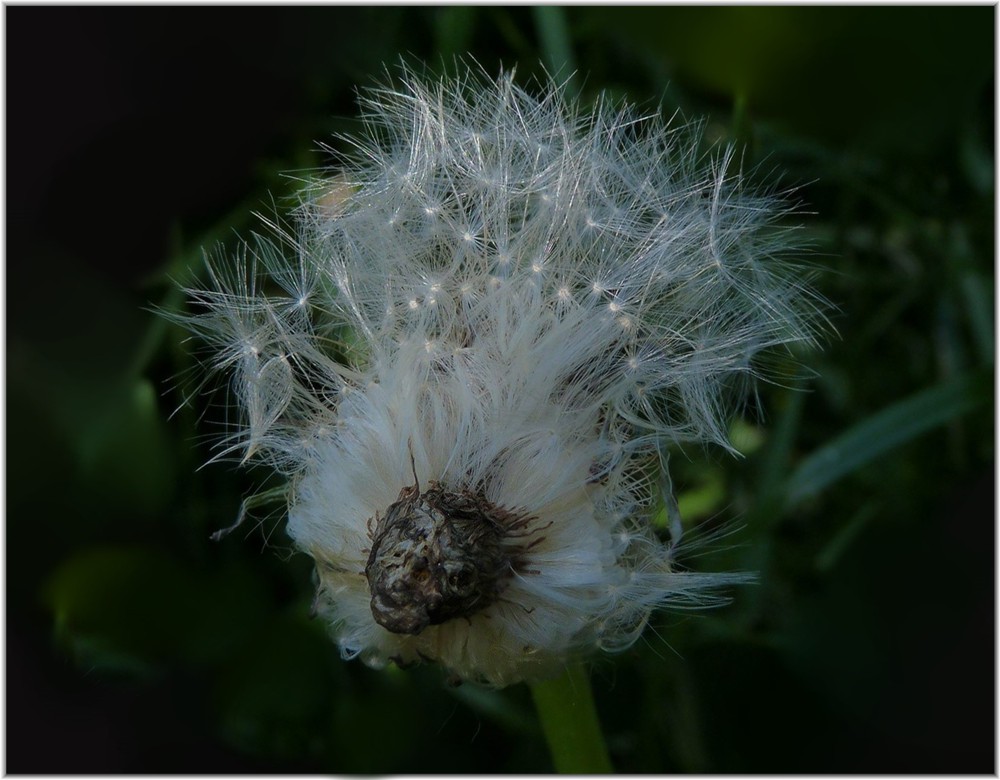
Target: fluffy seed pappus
470,356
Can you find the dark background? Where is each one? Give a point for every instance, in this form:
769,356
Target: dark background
135,137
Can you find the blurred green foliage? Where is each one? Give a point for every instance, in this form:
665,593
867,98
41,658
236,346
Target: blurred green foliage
864,502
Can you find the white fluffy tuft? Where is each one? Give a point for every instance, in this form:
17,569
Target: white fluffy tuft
530,297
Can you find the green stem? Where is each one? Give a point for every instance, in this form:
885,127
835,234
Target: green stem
566,708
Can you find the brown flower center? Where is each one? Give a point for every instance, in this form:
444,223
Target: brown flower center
438,555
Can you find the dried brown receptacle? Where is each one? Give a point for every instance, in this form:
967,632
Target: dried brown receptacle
438,555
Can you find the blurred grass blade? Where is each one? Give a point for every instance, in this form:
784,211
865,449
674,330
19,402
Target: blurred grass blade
894,425
976,294
775,458
741,128
497,706
553,34
831,554
454,28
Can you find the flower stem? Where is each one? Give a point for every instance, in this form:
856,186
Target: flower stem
566,708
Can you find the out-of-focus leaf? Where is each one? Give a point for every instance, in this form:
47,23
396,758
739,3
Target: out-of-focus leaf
275,695
703,500
842,540
454,26
386,706
746,437
550,22
978,300
895,425
122,448
776,454
120,603
884,639
498,706
891,79
976,159
82,378
135,608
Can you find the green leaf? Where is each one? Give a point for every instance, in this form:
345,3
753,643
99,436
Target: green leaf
774,457
117,608
133,608
454,27
77,375
831,554
978,300
746,437
122,448
704,500
898,423
556,45
276,694
498,706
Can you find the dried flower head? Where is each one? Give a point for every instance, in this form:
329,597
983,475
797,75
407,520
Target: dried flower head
471,354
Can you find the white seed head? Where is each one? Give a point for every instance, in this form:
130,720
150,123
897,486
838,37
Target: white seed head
517,303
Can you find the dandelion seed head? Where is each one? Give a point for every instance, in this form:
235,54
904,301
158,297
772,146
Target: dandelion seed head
471,386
